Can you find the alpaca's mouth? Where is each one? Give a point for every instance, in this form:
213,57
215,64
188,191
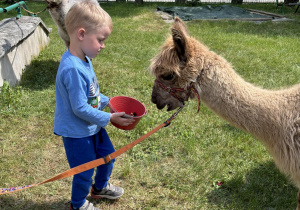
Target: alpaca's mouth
170,107
161,106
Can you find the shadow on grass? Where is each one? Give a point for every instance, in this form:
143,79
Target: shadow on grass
40,74
11,203
264,187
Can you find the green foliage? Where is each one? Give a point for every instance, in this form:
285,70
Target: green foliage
9,97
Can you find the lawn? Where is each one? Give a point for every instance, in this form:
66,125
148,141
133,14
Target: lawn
198,162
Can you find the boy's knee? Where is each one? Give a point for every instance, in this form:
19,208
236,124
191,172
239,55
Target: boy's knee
85,176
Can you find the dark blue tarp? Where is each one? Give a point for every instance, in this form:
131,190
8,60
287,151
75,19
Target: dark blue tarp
211,12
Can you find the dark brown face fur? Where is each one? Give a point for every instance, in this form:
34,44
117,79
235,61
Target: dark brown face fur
162,98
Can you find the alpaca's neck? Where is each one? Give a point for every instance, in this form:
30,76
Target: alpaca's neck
239,102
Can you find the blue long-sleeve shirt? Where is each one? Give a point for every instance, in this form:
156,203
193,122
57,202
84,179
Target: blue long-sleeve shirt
79,104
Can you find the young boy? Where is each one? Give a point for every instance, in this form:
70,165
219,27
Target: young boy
79,118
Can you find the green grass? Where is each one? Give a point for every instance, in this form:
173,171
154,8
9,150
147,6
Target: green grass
179,166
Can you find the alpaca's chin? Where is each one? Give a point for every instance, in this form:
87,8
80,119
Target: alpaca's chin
160,106
169,107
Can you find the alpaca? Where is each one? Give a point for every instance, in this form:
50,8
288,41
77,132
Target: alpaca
272,116
58,10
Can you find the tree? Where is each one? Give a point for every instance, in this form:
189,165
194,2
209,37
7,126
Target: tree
236,1
180,1
139,1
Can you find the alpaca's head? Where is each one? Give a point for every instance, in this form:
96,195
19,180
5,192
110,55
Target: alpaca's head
175,67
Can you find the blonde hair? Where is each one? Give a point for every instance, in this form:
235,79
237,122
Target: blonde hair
88,15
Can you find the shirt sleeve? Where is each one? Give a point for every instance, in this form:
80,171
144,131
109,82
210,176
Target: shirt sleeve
76,87
104,101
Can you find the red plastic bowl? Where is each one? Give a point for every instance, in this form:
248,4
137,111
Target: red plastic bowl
130,106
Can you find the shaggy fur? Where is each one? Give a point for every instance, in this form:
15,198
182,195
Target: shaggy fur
273,116
58,10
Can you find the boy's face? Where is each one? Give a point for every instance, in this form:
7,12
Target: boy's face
93,41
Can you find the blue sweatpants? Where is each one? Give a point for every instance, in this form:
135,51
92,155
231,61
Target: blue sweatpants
83,150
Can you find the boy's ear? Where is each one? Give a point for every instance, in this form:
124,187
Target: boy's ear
80,33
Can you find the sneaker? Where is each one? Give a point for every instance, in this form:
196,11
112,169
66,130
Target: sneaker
110,192
86,206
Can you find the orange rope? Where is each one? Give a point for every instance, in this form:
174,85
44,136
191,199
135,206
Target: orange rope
94,163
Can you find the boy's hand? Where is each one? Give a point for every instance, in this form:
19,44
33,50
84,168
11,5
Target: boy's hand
119,118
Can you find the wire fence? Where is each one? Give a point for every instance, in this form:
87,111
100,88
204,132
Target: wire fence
215,1
202,1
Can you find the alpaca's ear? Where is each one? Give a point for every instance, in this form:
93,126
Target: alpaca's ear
180,36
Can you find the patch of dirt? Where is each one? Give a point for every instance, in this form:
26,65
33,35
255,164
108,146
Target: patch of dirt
165,16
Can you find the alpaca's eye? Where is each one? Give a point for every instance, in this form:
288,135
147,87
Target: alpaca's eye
167,77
